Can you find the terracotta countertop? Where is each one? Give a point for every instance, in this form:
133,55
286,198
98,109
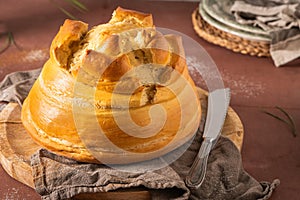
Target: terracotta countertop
269,151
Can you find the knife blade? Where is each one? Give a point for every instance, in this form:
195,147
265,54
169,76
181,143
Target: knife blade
218,103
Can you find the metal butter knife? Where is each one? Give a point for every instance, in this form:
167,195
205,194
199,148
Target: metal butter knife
218,102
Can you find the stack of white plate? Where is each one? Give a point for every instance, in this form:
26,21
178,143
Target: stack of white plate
217,14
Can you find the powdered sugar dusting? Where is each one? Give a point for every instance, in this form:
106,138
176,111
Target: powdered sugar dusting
35,55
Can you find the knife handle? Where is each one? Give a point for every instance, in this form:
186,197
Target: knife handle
197,172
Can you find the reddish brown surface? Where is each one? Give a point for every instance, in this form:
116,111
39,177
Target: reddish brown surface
270,151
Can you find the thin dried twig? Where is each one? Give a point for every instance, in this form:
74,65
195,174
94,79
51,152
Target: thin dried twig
78,5
67,13
8,42
289,122
12,40
75,3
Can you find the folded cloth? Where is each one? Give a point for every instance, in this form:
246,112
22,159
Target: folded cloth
57,177
280,18
16,86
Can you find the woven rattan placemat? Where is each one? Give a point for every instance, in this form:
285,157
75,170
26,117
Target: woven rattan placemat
228,40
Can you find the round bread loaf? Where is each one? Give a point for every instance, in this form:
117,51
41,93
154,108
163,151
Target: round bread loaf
117,93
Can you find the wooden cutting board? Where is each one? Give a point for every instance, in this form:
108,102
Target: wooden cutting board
16,147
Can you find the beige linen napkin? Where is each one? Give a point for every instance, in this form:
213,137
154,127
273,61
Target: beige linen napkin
280,18
57,177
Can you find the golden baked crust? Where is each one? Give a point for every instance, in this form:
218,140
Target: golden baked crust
121,14
83,74
66,41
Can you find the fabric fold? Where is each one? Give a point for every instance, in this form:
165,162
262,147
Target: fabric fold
57,177
281,19
16,86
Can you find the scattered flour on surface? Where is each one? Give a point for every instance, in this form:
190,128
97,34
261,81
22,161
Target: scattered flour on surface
14,194
243,85
240,85
35,55
192,64
208,73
